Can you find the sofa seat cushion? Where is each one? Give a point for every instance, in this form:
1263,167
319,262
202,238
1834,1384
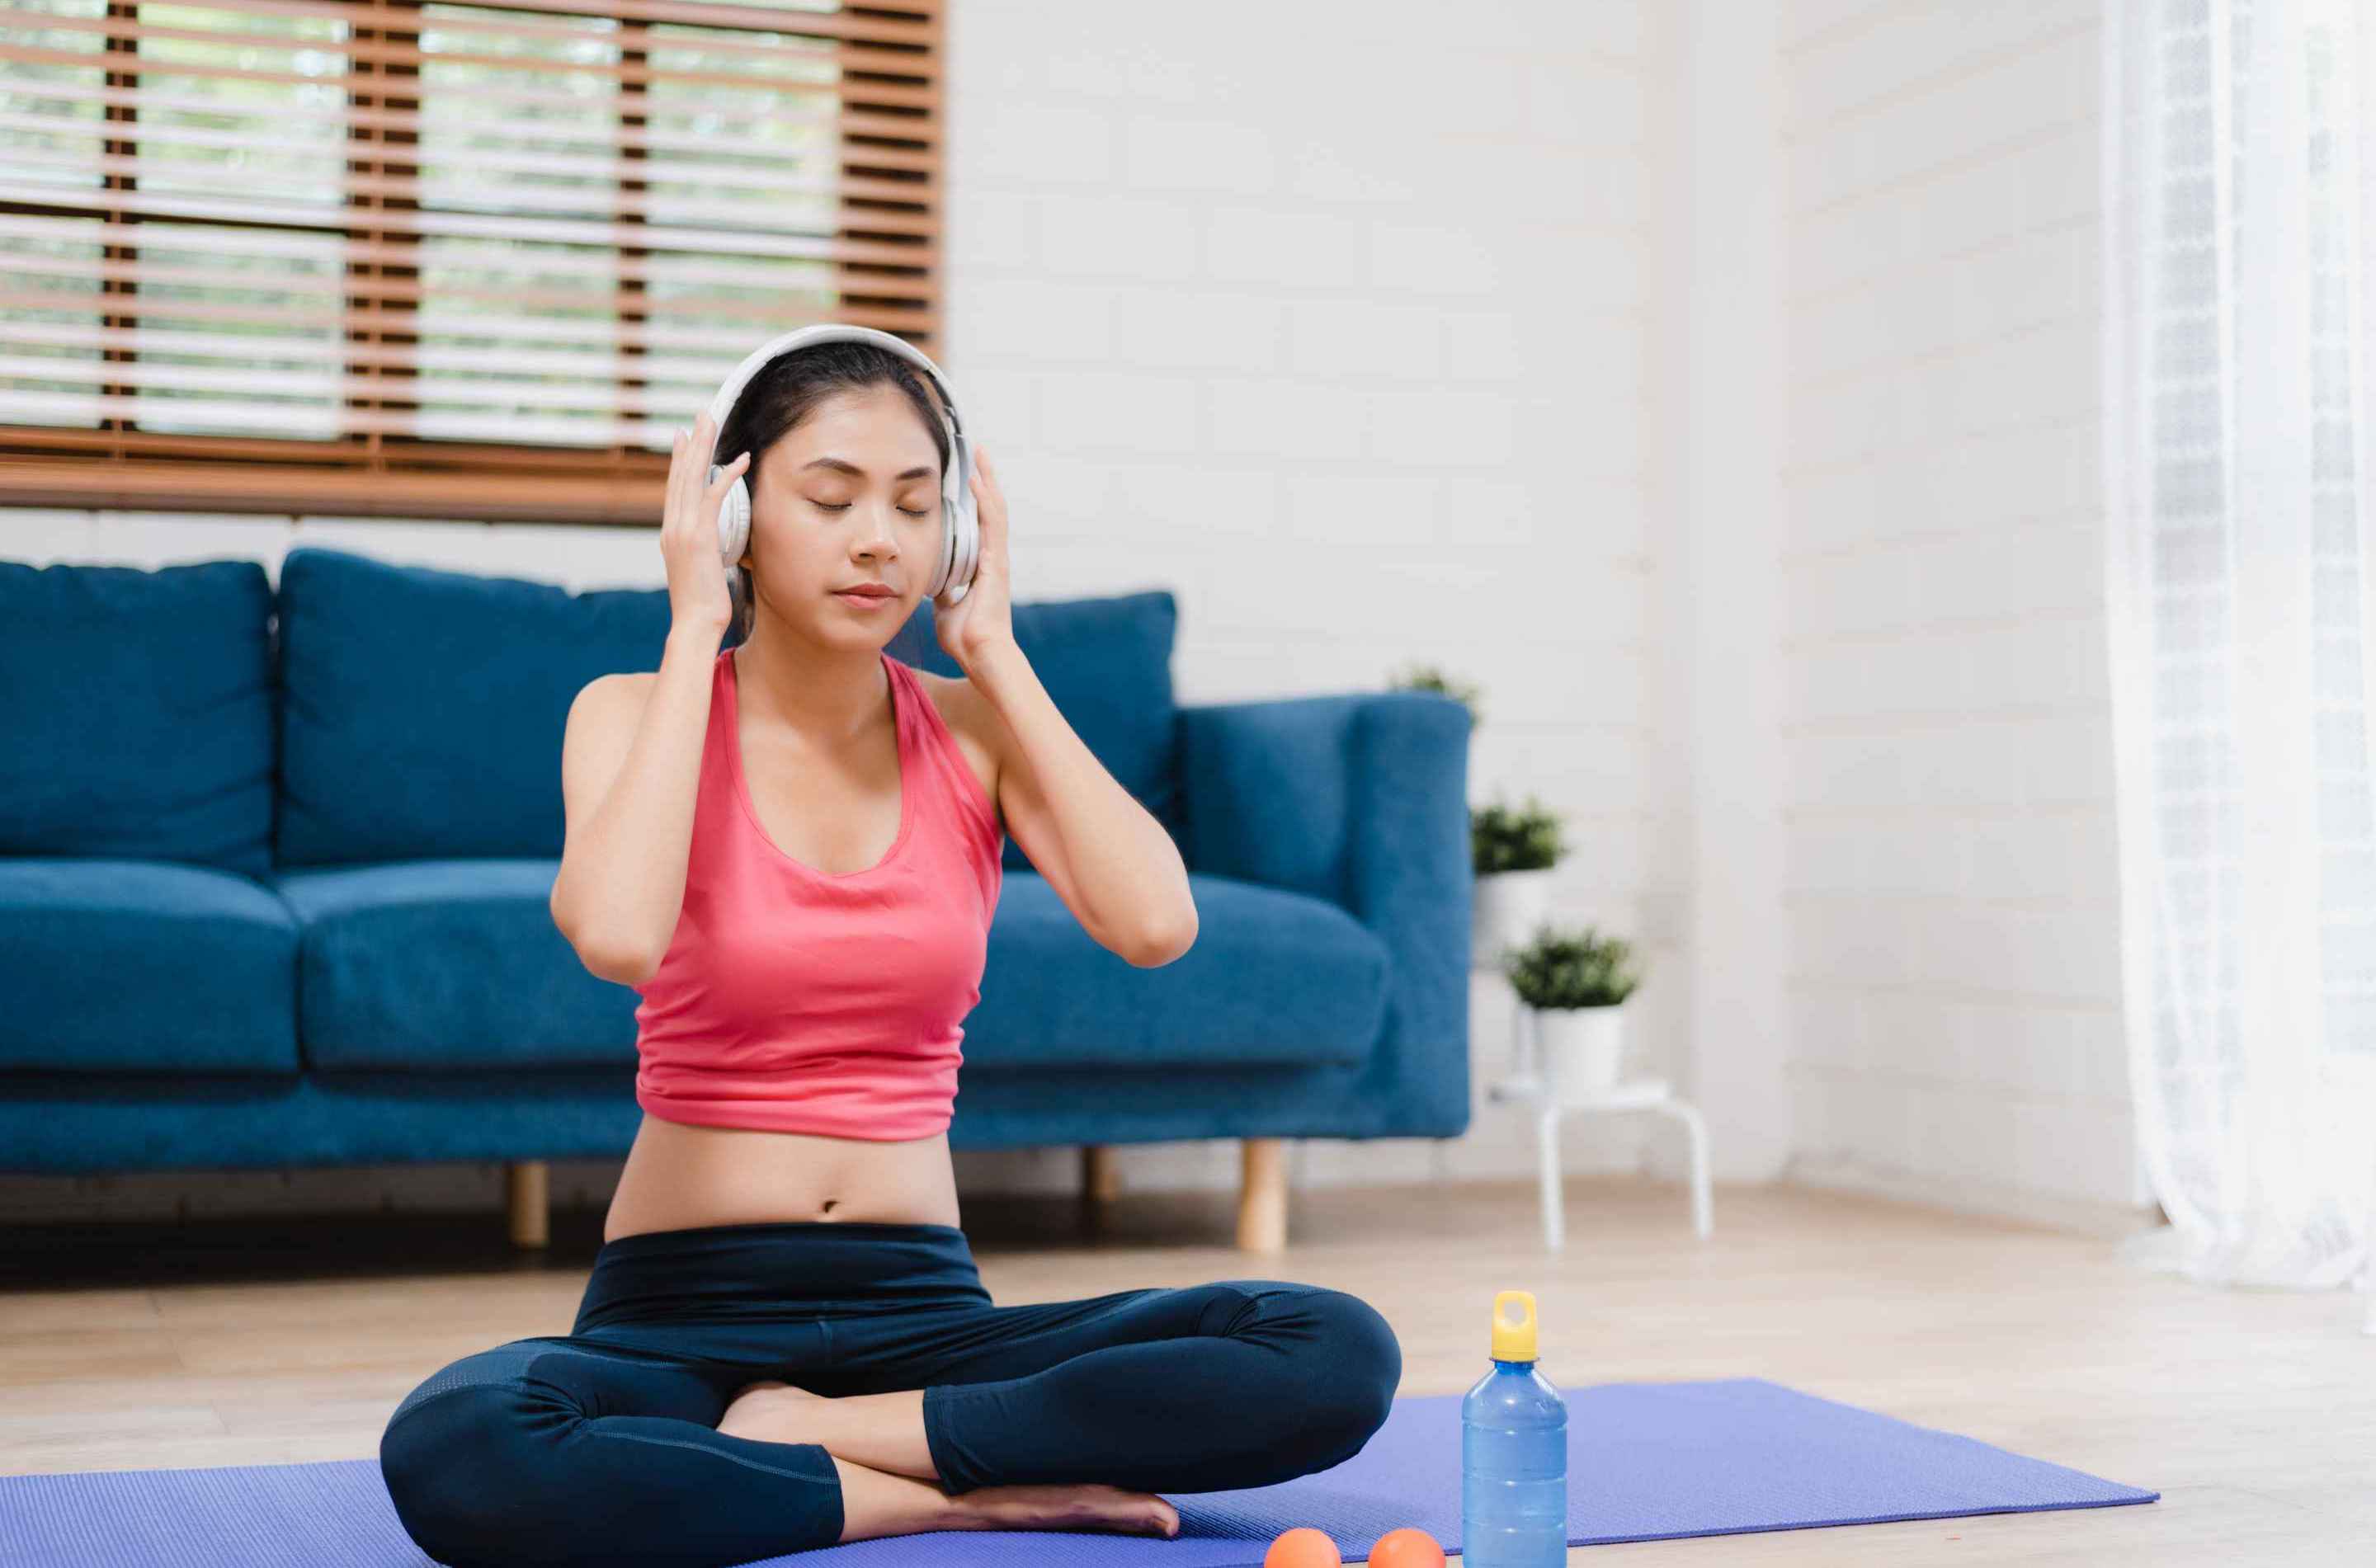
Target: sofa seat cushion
135,966
446,963
1274,978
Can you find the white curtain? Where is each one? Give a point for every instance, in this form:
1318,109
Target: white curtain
2240,139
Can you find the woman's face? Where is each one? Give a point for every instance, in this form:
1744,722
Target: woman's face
851,494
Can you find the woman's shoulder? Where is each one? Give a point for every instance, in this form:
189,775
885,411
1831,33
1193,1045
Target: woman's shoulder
960,706
969,718
626,688
619,692
614,700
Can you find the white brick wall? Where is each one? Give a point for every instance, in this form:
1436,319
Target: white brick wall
1340,334
1951,882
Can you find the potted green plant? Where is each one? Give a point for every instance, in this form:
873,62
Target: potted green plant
1577,983
1515,850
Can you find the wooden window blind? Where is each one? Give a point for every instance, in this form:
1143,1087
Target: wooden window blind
430,259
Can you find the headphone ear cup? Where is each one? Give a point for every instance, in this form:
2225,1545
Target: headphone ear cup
733,520
968,542
952,580
961,561
960,535
958,542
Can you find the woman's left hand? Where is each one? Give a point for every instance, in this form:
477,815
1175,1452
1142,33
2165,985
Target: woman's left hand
982,619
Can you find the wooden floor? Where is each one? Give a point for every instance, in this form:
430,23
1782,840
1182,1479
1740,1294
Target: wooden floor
2253,1413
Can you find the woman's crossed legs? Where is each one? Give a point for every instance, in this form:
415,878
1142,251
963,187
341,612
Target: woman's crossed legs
585,1449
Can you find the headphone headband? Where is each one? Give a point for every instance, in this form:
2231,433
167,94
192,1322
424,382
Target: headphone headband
824,332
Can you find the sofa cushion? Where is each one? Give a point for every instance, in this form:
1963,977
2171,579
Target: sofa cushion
422,709
455,964
1274,978
137,710
1106,663
133,966
447,964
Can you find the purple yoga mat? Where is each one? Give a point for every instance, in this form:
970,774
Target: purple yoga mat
1647,1461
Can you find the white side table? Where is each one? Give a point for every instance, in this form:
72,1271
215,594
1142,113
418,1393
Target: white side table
1527,1086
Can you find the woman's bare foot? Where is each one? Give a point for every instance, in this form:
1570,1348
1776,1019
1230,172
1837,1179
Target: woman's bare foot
883,1431
1082,1506
770,1412
874,1504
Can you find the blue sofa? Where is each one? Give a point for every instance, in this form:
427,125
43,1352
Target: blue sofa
274,864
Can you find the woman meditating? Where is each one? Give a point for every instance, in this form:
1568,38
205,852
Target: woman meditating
791,850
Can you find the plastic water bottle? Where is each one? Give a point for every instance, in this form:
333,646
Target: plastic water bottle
1514,1452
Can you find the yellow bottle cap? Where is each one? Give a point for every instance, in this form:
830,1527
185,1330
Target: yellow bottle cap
1513,1325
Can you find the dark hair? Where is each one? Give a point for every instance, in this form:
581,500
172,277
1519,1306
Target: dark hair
785,391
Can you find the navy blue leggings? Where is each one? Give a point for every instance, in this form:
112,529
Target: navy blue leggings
601,1446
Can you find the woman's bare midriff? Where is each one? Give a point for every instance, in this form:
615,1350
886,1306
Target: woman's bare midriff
679,1176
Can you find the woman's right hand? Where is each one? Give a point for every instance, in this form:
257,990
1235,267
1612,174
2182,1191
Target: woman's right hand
696,577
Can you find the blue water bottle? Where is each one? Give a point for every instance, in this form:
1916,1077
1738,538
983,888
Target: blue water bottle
1514,1452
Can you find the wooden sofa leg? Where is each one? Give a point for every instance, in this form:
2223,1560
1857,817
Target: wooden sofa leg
1101,1174
527,1188
1262,1196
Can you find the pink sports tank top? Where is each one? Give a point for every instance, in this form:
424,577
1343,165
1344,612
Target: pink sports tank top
792,1000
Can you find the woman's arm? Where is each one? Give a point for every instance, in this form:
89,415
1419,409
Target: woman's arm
1111,863
630,770
1107,857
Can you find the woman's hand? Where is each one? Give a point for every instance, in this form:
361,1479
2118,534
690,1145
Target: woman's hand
697,578
982,621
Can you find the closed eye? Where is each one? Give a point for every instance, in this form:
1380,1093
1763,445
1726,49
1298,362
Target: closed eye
845,506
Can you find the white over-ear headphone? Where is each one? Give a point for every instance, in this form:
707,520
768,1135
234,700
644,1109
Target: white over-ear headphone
960,541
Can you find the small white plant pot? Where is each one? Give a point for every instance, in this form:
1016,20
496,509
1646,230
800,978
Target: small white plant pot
1581,1049
1506,908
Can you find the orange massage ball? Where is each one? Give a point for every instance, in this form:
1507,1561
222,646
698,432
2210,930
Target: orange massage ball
1406,1548
1304,1547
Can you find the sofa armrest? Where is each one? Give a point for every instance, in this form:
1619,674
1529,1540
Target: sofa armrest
1360,799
